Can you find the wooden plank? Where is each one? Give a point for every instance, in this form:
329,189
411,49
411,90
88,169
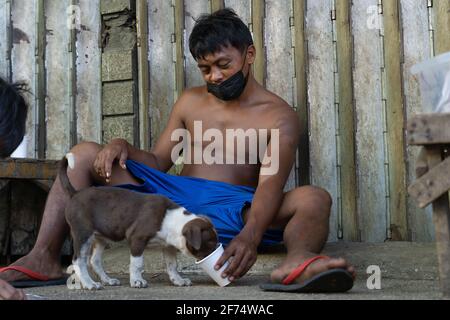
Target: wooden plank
347,164
395,121
416,48
179,44
441,220
5,39
442,28
162,68
280,66
242,9
429,129
57,65
321,102
301,90
258,16
431,185
23,61
369,124
143,82
88,73
28,169
73,26
40,129
193,9
217,5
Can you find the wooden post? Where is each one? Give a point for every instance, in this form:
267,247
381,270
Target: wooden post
371,174
143,82
217,5
179,42
346,122
41,135
258,12
441,219
300,60
442,41
5,39
88,91
395,121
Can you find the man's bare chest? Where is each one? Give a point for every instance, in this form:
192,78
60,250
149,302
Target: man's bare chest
226,138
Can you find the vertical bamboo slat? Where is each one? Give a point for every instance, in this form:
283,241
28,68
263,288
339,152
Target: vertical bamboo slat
301,92
395,120
346,121
143,73
258,14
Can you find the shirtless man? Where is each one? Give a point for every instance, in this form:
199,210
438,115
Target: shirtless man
224,51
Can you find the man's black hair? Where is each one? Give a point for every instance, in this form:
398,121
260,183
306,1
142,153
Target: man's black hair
13,115
222,28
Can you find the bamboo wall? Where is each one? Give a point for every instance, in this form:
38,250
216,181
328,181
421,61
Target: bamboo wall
343,65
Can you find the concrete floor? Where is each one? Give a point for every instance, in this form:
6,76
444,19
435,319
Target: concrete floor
408,272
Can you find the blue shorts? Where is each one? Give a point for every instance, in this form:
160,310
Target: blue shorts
221,202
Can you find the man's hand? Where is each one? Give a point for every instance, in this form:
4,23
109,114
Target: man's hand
243,253
8,292
117,149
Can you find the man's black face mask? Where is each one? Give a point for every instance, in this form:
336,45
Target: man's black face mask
231,88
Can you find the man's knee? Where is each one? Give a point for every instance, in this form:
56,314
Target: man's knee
85,154
316,197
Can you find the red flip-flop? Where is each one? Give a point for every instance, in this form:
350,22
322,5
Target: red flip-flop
36,279
331,281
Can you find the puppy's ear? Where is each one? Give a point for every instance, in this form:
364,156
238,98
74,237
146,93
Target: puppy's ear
193,236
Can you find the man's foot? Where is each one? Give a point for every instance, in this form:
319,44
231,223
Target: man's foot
39,263
315,268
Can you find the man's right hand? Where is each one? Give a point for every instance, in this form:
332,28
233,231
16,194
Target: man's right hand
117,149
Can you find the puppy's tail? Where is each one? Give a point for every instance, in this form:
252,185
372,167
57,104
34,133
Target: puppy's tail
67,161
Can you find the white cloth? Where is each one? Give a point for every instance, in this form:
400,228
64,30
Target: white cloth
444,103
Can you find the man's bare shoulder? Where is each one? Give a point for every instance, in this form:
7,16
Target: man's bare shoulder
280,111
194,93
191,98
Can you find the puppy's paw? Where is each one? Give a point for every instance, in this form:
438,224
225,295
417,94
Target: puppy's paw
138,283
181,282
111,282
93,286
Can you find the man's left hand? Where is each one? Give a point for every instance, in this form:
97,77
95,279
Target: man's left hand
243,253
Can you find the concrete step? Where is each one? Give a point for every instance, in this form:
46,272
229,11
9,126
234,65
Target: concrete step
396,260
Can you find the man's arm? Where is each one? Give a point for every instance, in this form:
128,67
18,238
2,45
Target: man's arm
267,199
160,155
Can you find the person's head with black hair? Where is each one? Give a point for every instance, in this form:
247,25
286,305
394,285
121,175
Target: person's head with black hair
220,29
223,47
13,115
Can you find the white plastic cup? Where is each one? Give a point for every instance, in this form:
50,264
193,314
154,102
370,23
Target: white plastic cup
21,151
208,264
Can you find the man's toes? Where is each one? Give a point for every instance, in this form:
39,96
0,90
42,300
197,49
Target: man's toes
277,276
352,271
337,263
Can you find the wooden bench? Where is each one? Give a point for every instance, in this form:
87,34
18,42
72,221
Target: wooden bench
432,132
24,186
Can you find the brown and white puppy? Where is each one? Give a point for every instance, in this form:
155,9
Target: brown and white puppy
97,214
